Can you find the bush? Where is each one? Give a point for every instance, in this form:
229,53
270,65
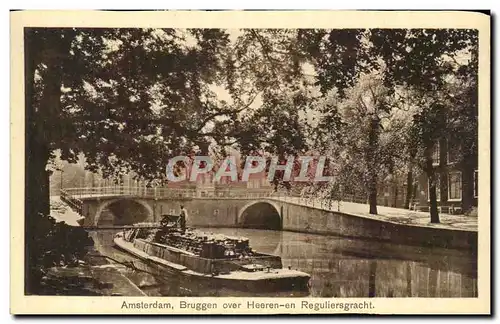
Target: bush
50,244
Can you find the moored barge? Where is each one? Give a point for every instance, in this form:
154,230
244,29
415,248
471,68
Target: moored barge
213,259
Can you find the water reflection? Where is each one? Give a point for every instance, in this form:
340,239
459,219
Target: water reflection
339,267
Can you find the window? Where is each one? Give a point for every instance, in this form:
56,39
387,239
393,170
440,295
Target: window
476,187
455,185
438,188
435,154
453,152
256,183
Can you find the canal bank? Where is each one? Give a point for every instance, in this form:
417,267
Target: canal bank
399,226
346,219
95,276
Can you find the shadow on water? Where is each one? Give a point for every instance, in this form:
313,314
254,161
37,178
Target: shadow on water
261,215
339,267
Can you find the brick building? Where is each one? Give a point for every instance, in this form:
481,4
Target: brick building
457,179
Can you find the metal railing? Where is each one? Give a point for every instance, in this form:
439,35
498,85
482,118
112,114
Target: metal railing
162,193
72,201
314,202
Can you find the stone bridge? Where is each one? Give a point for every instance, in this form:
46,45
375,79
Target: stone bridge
120,206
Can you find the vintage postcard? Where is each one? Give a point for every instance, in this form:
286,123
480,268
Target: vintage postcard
234,162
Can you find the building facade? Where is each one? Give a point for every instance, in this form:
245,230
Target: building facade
457,179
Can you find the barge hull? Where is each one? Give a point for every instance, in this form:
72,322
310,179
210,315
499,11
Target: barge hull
274,280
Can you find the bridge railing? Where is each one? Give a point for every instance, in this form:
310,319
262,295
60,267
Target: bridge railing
72,201
161,193
315,201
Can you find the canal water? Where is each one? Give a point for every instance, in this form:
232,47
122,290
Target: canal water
339,267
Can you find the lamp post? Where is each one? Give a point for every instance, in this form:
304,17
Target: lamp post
61,183
62,172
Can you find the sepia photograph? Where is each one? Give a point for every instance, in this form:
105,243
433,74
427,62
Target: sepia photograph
276,169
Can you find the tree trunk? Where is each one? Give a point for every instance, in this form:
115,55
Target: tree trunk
431,174
37,208
433,199
37,189
32,173
395,203
40,126
414,192
37,199
409,188
371,156
372,200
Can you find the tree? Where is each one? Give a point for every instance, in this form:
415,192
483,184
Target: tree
129,99
365,106
265,66
405,105
129,86
425,60
417,59
463,123
428,130
366,145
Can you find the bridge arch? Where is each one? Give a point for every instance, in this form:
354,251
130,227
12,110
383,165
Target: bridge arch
262,214
142,211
